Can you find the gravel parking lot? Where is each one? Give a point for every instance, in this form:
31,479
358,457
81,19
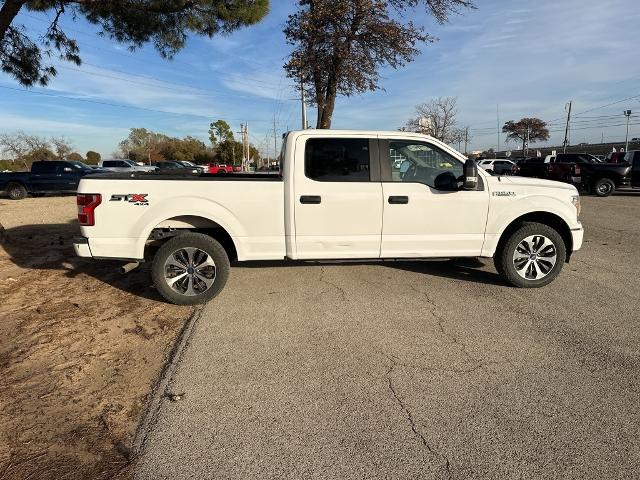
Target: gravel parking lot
415,370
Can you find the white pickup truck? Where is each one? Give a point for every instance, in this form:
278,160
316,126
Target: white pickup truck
340,195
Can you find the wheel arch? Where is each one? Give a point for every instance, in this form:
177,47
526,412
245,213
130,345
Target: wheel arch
547,218
174,226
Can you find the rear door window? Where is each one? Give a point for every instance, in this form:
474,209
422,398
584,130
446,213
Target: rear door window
337,159
44,167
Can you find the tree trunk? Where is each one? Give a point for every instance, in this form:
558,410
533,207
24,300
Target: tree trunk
7,13
325,113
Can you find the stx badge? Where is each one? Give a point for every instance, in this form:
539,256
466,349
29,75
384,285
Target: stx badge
504,194
135,198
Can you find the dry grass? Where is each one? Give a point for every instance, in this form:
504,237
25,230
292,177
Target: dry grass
80,347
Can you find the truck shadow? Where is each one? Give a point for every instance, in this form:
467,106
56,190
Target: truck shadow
49,247
464,269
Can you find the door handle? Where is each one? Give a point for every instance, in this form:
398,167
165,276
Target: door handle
312,199
398,200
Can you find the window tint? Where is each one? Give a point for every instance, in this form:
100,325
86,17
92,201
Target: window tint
423,163
337,159
44,167
110,163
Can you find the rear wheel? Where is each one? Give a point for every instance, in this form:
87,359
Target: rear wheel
604,187
16,191
190,269
532,256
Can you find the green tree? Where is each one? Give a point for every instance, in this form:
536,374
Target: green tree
229,152
340,45
164,23
76,157
219,131
93,158
526,130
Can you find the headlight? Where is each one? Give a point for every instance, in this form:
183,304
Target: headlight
575,200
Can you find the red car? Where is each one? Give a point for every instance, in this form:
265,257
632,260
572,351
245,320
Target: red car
220,169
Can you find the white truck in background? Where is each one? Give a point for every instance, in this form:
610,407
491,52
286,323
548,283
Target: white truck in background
340,195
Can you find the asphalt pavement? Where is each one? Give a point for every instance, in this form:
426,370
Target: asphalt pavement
414,370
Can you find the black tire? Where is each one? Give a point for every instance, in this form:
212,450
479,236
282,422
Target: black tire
604,187
198,241
505,262
16,191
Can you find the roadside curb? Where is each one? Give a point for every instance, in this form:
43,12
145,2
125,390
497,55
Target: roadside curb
158,391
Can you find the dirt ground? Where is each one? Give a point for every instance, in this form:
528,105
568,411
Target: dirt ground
80,348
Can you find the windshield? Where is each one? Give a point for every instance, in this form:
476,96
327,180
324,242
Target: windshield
80,165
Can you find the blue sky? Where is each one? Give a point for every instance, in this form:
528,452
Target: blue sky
530,58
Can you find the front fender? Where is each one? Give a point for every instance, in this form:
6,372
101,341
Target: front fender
503,212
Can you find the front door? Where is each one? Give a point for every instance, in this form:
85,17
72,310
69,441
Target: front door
337,198
426,213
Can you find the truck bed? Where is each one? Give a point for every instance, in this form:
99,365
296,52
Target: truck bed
267,176
132,206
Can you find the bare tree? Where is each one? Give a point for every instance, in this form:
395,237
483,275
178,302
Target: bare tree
13,145
63,148
437,118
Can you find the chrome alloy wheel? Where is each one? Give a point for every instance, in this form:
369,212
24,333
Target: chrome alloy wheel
534,257
190,271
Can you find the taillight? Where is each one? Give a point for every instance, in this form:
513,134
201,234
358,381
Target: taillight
576,170
87,203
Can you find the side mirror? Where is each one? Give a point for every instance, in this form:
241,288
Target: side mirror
470,175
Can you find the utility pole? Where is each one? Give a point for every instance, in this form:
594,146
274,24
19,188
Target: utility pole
275,138
466,139
246,139
303,101
627,113
566,131
498,119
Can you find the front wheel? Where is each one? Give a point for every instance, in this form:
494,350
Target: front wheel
604,187
190,269
532,256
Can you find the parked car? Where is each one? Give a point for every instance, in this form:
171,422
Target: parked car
221,168
497,166
124,166
601,179
175,168
187,164
580,169
338,198
49,176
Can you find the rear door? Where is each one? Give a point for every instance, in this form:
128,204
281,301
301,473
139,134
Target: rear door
45,176
337,197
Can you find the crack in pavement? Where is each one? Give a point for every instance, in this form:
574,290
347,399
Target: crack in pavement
343,294
453,338
412,423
